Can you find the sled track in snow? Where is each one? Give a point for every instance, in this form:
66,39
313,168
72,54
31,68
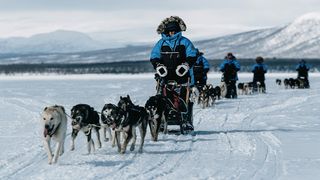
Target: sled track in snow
22,166
165,159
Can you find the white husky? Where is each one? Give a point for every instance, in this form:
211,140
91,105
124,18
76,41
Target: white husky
194,97
223,87
54,122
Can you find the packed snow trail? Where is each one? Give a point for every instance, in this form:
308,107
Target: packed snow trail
267,136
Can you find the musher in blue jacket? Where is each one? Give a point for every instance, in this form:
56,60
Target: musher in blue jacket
258,70
303,69
199,71
229,67
172,57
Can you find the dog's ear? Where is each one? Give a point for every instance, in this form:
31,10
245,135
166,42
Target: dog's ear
128,96
120,97
87,113
45,108
63,109
72,110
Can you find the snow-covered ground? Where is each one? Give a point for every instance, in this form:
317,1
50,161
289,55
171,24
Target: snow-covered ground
268,136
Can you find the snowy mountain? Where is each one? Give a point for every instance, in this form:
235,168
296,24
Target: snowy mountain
299,39
54,42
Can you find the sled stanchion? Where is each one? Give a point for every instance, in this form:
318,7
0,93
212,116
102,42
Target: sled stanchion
188,92
158,85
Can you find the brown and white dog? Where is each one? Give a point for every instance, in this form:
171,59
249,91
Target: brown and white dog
54,122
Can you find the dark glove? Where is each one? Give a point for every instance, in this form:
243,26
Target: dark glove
191,60
155,62
205,71
156,76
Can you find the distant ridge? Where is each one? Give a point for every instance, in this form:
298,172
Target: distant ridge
299,39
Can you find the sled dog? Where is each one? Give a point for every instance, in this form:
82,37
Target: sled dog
136,116
85,118
155,107
278,82
223,88
109,115
54,122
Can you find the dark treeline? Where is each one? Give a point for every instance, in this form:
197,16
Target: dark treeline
275,65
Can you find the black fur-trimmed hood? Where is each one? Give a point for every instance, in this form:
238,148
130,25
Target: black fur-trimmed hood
162,25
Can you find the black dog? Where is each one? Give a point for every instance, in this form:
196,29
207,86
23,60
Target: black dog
240,86
135,116
217,92
111,117
155,107
85,118
292,83
286,83
207,96
278,81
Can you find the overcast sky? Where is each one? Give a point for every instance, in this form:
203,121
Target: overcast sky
137,20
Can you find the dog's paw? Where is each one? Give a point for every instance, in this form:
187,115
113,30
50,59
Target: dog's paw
54,161
132,148
140,150
123,150
106,139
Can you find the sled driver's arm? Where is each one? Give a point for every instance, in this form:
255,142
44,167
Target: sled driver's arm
155,54
191,52
222,65
237,64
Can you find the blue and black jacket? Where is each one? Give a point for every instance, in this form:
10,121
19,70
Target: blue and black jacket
199,71
230,67
259,69
303,69
171,52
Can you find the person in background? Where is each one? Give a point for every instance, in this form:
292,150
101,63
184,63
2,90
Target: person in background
230,67
303,69
199,71
258,70
172,57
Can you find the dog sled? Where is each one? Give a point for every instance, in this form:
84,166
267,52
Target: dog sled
179,108
302,83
